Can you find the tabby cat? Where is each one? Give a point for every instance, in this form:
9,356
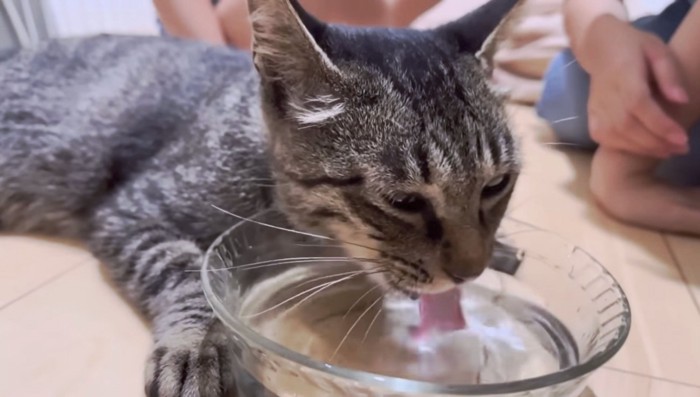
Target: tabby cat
388,138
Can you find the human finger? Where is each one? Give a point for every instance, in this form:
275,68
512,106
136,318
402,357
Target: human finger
656,121
665,72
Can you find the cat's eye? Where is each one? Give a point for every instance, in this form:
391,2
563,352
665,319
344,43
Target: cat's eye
408,202
495,186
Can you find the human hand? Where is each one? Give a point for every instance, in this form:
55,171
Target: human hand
632,74
235,23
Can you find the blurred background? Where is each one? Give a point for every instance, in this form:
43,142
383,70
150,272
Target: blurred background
27,22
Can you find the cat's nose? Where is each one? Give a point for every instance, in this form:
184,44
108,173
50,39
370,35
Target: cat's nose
461,274
457,279
463,261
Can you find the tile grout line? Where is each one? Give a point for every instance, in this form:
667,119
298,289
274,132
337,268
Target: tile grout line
684,276
641,375
47,282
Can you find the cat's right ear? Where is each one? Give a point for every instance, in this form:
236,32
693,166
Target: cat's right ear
286,48
478,32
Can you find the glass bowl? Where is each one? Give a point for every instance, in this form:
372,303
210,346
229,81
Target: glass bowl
307,321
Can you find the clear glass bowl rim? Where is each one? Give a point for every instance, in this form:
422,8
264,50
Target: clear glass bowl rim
407,385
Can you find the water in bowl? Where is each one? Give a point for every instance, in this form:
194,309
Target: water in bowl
319,312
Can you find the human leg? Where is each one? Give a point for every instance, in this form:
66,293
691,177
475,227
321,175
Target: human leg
624,185
683,170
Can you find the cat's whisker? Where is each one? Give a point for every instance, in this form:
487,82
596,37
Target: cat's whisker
301,259
341,246
318,245
337,261
315,235
571,144
288,230
369,327
257,180
326,286
518,206
565,119
526,223
315,290
284,229
263,182
514,233
369,291
358,272
568,64
533,228
281,261
345,242
352,327
369,260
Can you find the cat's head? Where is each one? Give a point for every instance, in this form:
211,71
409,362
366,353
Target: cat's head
388,139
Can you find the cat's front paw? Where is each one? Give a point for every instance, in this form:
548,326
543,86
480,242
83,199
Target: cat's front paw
192,363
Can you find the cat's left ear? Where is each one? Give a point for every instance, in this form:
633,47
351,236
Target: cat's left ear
286,46
478,32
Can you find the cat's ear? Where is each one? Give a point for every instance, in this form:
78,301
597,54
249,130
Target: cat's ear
286,44
478,32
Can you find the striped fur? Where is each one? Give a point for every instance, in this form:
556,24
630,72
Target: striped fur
389,139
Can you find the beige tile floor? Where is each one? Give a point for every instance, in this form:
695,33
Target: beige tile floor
64,332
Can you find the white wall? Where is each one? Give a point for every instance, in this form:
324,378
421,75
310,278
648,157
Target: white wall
86,17
25,22
13,13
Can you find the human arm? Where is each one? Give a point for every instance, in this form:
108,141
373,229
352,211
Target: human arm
626,186
235,24
686,49
632,74
191,19
581,15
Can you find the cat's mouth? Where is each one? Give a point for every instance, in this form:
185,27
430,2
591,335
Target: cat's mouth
439,307
438,295
415,286
440,312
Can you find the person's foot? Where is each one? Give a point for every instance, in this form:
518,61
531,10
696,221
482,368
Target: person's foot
624,185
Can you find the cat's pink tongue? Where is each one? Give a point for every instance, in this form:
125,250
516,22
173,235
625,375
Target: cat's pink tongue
440,312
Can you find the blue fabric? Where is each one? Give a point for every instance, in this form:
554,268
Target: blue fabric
565,95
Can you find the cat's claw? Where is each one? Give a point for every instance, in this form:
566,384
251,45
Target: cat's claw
191,364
